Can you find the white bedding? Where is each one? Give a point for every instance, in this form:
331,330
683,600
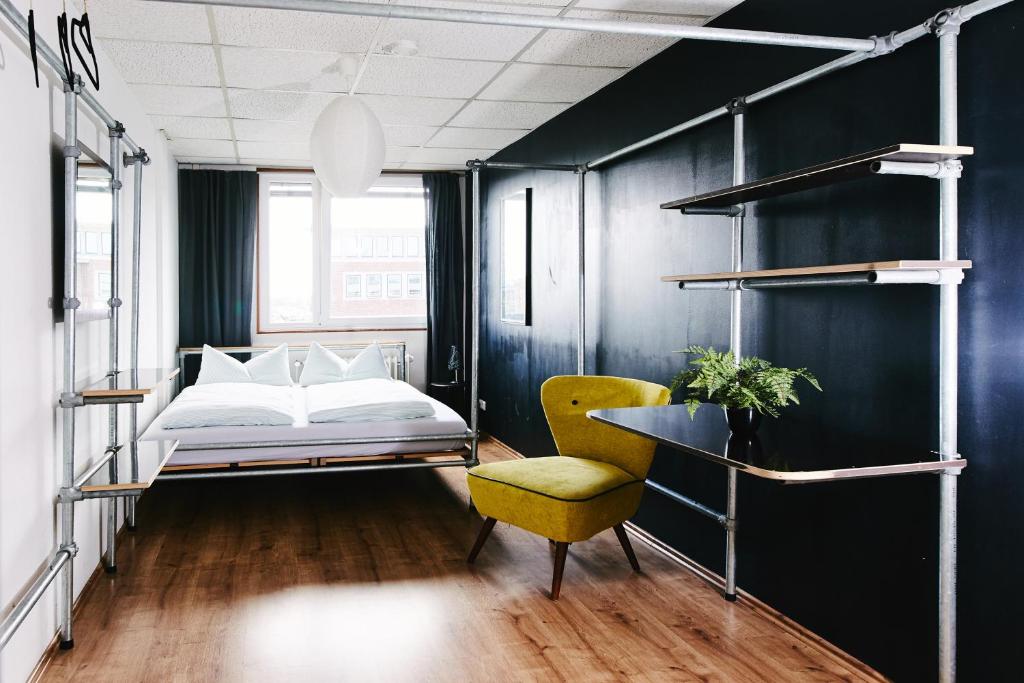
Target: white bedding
365,400
230,404
444,421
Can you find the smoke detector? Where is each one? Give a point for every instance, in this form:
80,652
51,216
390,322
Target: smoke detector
401,48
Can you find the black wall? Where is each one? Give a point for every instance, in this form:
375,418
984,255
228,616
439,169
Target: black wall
853,561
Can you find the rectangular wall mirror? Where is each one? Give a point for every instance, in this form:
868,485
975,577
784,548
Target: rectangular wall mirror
94,214
516,220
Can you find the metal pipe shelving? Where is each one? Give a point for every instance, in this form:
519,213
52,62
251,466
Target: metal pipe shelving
61,564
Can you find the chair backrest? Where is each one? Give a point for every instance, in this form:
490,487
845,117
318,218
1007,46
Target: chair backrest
566,400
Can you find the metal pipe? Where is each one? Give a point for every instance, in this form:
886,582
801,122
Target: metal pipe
729,35
95,467
927,169
518,166
21,610
658,137
732,211
474,361
948,350
581,341
710,284
739,170
206,474
116,133
321,442
137,160
808,281
687,501
67,507
20,23
973,9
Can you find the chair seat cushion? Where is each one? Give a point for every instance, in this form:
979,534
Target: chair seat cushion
563,498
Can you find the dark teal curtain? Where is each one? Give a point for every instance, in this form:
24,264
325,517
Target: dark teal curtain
445,274
216,253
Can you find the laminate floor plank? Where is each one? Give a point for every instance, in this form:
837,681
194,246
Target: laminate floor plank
363,577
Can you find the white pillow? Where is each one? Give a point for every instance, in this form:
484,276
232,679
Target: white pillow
268,368
322,367
369,364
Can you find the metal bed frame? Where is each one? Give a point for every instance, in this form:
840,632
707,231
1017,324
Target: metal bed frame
945,26
399,368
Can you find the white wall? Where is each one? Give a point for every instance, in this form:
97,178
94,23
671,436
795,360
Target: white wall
30,343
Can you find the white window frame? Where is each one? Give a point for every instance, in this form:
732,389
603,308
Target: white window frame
321,260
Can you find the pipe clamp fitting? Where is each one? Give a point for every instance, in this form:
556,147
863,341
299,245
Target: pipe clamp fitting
70,548
71,400
947,21
117,130
737,105
71,304
116,185
884,45
72,151
114,302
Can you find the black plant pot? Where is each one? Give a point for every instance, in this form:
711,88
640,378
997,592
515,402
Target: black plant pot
742,420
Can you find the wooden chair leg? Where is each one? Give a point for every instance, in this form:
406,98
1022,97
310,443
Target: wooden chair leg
561,549
626,546
481,538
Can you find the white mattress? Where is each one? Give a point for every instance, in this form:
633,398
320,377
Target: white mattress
444,421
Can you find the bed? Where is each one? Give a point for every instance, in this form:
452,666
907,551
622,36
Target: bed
361,424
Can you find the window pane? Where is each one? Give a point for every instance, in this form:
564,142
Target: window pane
388,225
290,250
353,286
373,285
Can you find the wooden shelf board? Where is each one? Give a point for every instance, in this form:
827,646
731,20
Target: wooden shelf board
902,265
850,168
127,383
153,455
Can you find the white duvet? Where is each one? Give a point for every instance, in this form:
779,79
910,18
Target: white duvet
366,400
230,404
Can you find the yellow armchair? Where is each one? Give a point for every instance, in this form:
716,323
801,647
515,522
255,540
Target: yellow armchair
594,483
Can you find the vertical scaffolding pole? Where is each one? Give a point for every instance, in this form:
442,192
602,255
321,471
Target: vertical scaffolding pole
947,26
474,361
137,160
737,108
581,342
70,303
116,133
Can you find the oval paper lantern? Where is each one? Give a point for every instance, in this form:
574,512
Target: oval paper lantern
347,147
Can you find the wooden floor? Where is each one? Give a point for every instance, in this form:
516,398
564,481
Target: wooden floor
362,577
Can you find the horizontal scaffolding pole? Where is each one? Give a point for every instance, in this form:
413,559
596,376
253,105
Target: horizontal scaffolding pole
21,610
517,166
687,501
207,474
728,35
20,23
355,441
85,476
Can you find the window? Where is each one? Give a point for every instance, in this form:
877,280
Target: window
414,285
353,286
326,262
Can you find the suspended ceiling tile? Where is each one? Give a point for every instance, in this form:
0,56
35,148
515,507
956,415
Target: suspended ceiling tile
390,75
272,131
297,151
540,83
275,163
397,155
479,114
181,101
247,67
586,48
458,41
202,148
478,138
134,20
408,136
287,29
163,63
277,105
711,8
193,127
457,157
412,111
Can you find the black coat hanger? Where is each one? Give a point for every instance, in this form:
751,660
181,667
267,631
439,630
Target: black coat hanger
32,42
80,28
65,50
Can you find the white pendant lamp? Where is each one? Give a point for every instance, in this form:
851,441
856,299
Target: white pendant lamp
347,147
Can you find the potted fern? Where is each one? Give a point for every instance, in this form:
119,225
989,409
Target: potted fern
745,391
